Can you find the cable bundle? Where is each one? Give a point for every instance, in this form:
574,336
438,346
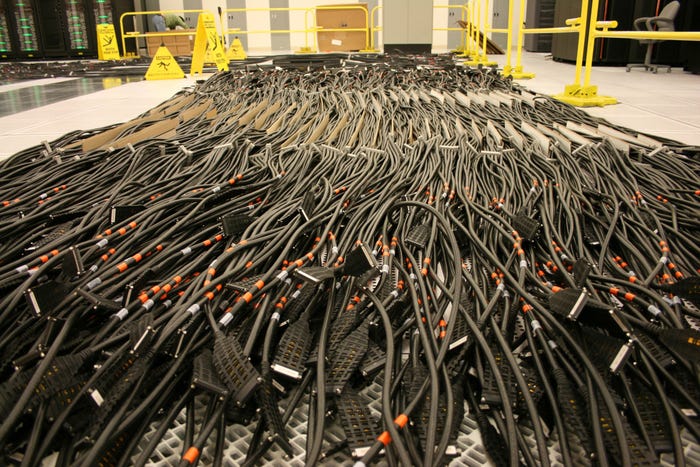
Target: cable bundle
274,245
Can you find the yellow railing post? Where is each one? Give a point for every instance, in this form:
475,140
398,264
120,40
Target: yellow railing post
481,57
483,33
586,95
508,69
518,72
465,33
375,27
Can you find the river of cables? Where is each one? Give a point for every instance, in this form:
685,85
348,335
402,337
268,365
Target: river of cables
374,264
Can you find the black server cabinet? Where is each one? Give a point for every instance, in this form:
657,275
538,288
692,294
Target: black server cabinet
623,51
56,28
539,14
7,48
20,31
608,51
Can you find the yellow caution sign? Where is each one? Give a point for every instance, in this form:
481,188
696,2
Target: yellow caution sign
164,66
107,48
236,52
207,38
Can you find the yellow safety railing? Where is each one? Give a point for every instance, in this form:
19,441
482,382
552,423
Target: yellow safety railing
310,26
366,29
574,25
227,32
586,95
464,49
482,25
136,34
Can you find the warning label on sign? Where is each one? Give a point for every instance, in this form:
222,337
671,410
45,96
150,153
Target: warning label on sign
164,66
207,46
107,48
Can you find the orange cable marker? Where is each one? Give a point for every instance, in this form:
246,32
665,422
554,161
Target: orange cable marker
401,420
384,438
191,455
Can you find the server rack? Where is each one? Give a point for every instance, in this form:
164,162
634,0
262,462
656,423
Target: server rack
56,28
6,45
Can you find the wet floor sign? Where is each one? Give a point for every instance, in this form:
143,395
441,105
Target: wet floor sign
164,66
207,40
107,48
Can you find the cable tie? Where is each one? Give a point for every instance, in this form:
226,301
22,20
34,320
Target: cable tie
97,397
102,243
121,314
536,326
282,276
227,318
656,151
93,283
193,309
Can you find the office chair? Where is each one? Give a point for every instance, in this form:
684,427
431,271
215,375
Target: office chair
663,22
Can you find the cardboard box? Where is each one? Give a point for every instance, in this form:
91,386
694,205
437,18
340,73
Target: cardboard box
177,45
350,16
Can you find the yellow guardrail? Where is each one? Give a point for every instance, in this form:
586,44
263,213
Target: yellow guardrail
573,25
136,34
585,94
310,26
366,29
227,32
464,48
